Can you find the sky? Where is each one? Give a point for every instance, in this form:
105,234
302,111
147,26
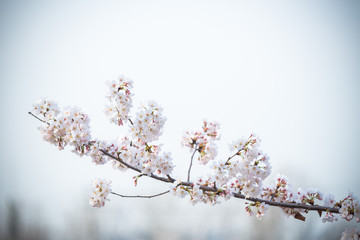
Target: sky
287,71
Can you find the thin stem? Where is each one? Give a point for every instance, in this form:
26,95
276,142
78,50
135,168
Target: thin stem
131,122
233,155
38,118
191,161
140,196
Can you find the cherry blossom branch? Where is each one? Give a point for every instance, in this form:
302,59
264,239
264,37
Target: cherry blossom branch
237,195
141,196
169,179
241,176
191,161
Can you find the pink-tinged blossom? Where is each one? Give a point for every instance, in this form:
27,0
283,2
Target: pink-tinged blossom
196,195
145,157
119,100
203,141
211,129
256,208
99,193
329,217
309,196
350,234
179,190
281,192
350,208
329,200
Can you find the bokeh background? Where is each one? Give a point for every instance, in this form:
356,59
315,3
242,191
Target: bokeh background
286,70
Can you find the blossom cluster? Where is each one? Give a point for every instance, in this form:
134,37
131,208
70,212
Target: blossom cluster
203,141
196,193
145,157
349,207
46,108
119,100
149,123
256,208
99,193
68,126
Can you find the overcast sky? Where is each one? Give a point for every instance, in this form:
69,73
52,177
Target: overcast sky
288,71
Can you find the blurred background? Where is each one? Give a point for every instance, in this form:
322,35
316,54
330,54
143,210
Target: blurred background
286,70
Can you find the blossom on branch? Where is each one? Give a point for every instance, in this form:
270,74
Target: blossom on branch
66,127
149,122
119,100
203,141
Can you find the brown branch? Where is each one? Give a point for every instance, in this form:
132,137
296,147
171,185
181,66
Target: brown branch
288,205
140,196
237,153
236,195
167,179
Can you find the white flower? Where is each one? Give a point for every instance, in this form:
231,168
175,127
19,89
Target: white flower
149,123
350,234
99,193
238,144
95,153
262,209
329,217
350,208
181,192
46,108
329,200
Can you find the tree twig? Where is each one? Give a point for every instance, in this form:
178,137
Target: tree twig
38,118
191,161
131,122
140,196
237,153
